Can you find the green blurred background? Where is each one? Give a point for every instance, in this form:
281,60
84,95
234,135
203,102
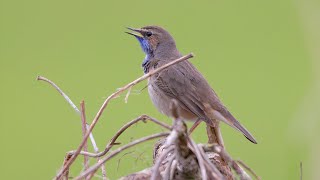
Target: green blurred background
261,57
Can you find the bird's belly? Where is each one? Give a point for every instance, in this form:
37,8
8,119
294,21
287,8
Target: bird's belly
163,102
160,100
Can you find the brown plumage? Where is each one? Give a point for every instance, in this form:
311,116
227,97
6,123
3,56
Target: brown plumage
182,82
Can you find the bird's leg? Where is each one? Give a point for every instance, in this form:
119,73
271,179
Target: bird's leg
194,126
219,135
214,134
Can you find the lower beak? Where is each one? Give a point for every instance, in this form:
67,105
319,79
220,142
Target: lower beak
136,32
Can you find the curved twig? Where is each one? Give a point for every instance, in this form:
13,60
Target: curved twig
94,168
119,132
66,97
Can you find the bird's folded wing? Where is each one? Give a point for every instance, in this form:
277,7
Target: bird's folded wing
176,83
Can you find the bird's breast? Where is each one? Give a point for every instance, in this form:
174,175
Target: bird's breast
159,99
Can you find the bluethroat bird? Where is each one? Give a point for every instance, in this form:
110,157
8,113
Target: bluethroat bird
181,82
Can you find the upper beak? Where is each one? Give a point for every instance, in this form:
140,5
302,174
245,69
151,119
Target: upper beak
136,32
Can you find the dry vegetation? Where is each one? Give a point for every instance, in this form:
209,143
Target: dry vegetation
176,155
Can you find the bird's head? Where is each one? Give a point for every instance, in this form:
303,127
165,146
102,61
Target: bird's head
154,40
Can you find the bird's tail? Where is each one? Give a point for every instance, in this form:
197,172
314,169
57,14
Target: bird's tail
227,117
235,124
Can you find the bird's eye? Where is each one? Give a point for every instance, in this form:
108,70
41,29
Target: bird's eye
148,34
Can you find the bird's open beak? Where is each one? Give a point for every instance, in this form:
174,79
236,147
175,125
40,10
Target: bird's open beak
136,32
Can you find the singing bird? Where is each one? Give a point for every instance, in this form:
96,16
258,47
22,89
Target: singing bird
182,82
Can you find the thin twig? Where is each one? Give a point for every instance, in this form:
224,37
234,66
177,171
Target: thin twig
220,150
173,169
199,158
103,170
249,169
66,159
93,142
127,95
156,173
212,168
61,92
120,131
104,105
300,170
84,129
119,160
86,164
140,157
41,78
169,168
94,168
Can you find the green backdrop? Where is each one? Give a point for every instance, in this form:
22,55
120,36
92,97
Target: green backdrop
261,57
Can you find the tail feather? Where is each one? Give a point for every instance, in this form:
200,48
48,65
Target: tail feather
227,117
244,131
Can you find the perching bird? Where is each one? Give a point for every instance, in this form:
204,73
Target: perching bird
181,82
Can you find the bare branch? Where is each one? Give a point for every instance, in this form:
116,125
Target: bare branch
120,131
84,129
94,168
66,159
85,148
41,78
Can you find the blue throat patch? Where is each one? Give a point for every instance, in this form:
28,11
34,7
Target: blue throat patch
147,50
144,45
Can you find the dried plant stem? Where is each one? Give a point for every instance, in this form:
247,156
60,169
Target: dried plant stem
120,131
169,169
66,159
301,171
220,150
41,78
249,169
84,129
127,95
214,171
179,156
196,151
85,148
156,173
84,123
94,168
